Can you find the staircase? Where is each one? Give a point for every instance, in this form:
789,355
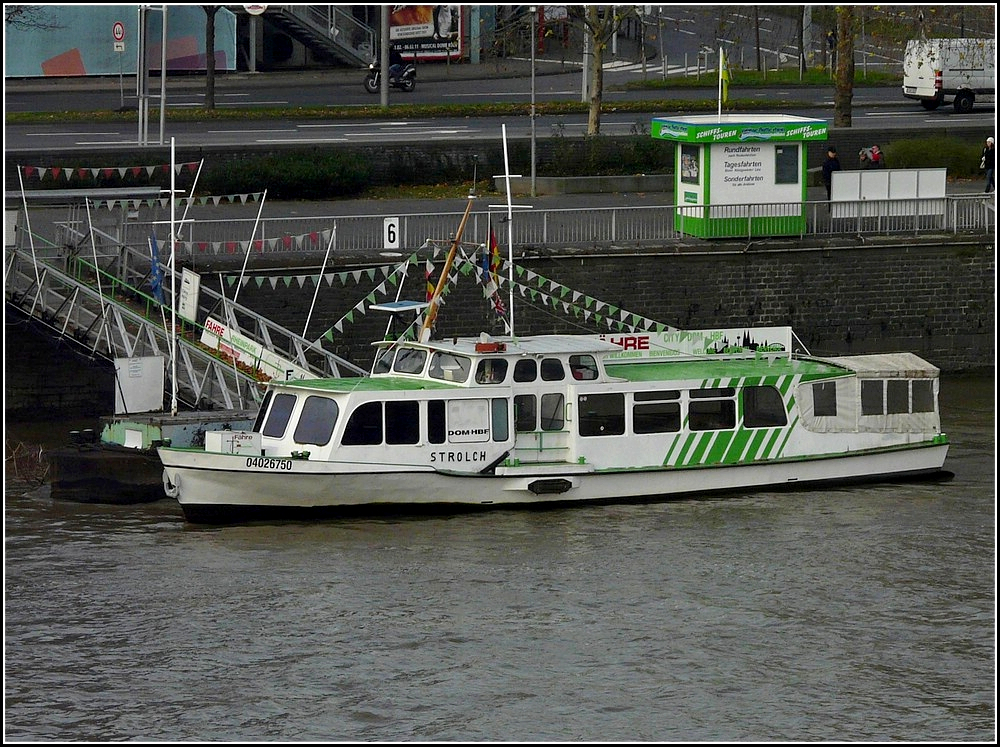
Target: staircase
329,30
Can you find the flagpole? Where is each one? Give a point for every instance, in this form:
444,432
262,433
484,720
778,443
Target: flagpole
721,63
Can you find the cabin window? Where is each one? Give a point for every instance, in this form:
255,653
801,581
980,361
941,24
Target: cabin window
277,418
364,427
763,407
501,425
583,367
786,163
552,370
711,409
436,422
872,397
259,420
923,395
491,371
450,367
656,395
525,370
897,399
383,361
656,417
553,412
315,426
402,422
825,399
602,414
525,413
409,361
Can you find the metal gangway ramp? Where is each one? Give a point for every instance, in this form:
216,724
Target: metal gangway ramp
95,299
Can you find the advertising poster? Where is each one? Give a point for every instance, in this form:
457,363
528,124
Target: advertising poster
427,32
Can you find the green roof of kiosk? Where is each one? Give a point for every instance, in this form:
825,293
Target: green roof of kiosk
739,128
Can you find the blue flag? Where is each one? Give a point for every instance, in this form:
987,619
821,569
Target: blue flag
156,272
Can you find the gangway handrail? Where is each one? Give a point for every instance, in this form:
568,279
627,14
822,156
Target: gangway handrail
302,345
150,336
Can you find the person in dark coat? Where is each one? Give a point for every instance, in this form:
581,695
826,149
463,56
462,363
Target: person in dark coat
831,164
989,164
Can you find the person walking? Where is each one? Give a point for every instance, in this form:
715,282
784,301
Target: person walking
877,158
831,164
989,163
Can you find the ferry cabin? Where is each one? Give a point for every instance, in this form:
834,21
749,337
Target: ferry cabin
509,406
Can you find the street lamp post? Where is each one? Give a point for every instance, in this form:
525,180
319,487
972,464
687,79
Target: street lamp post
534,41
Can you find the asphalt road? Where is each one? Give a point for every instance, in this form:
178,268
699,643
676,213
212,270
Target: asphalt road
873,107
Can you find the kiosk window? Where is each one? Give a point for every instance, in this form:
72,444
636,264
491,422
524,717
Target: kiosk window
786,164
690,164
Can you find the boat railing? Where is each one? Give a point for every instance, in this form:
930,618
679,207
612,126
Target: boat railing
638,226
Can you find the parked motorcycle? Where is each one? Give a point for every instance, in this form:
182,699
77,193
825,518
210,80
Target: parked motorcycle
405,81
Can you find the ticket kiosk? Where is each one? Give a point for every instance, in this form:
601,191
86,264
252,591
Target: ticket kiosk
740,175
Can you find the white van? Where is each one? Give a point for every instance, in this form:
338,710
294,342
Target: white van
936,71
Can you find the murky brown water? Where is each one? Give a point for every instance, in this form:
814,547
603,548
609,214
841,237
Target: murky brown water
855,614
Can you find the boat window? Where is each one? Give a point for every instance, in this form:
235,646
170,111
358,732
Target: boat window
923,395
552,370
897,398
315,426
871,397
525,370
711,414
656,395
277,419
436,423
825,399
525,413
450,367
656,417
763,407
501,424
259,421
402,422
711,393
583,367
383,361
364,427
491,371
553,412
602,414
409,360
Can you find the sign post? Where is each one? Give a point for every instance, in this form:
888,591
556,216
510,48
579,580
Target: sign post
118,34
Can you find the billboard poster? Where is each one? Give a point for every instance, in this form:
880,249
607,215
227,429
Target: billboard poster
427,32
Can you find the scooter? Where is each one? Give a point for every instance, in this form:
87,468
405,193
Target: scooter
405,81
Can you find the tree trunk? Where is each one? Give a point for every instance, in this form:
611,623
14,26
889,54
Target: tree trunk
596,92
844,80
210,11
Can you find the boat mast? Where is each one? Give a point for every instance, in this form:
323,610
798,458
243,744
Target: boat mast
432,309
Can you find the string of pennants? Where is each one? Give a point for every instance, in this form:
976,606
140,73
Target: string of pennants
67,172
542,290
531,286
243,199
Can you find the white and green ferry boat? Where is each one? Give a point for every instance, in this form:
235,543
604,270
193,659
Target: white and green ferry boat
523,421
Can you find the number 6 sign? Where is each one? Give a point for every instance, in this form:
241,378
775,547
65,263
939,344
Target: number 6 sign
390,230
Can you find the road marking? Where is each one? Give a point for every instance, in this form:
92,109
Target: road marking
69,133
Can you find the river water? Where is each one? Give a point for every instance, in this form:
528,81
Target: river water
856,614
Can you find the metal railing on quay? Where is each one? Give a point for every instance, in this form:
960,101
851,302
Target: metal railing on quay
644,226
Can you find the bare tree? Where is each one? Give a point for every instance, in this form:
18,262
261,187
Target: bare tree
210,11
28,17
600,24
844,79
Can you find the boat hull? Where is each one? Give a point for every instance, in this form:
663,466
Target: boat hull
105,473
222,488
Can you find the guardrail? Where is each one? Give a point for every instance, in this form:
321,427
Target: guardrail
645,226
